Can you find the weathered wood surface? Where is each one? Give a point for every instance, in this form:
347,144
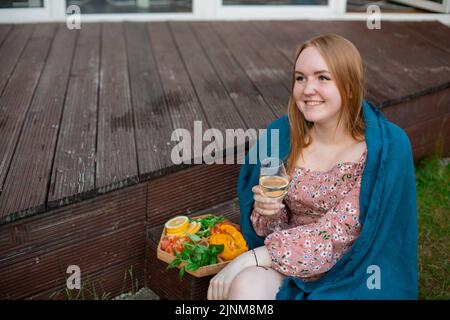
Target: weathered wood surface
104,236
90,111
73,171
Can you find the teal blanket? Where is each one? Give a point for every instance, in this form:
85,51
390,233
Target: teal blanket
382,263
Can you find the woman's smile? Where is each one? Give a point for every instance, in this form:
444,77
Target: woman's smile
312,103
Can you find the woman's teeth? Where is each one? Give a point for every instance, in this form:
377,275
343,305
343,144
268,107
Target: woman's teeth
313,103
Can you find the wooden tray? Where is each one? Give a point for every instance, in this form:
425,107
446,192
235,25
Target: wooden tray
200,272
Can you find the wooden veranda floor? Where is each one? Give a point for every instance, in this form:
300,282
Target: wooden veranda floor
85,112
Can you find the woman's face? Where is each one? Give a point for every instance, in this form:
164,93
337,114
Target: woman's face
315,91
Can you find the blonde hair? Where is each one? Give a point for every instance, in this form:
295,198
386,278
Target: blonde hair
345,64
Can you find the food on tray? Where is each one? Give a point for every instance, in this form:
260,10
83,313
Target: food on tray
200,242
232,239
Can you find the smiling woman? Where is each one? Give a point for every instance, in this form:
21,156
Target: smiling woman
351,191
325,104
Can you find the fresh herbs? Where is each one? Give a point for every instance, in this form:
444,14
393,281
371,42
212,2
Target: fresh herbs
208,223
195,255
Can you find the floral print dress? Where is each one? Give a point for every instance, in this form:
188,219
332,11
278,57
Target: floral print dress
319,223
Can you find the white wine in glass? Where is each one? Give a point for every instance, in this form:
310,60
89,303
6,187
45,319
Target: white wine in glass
273,180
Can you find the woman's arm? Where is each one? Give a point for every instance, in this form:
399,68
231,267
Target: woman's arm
309,251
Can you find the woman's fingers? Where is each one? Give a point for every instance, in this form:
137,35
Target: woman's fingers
267,206
219,291
214,290
209,295
266,212
257,189
218,288
266,203
226,288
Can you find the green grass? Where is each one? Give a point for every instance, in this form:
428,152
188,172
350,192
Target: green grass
433,201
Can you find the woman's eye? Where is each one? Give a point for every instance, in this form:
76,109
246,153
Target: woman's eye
300,78
322,78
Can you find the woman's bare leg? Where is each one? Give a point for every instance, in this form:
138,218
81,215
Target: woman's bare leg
255,283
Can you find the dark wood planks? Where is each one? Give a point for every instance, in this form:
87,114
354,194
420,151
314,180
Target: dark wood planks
15,103
190,190
392,72
246,97
420,109
219,108
73,170
276,63
435,33
12,46
280,39
4,30
153,125
425,120
18,93
179,92
161,76
116,151
274,91
50,266
98,235
415,54
299,31
27,181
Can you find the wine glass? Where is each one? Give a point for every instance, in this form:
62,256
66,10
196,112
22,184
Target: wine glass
273,180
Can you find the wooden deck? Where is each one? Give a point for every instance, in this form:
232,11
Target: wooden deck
84,113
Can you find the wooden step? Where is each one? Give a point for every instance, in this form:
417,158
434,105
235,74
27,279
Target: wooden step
105,235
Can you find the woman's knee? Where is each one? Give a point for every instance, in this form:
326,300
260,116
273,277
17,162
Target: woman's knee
255,283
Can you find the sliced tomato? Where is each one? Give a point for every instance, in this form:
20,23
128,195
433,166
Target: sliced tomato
178,247
215,230
169,248
164,244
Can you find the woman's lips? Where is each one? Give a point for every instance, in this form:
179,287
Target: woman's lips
312,103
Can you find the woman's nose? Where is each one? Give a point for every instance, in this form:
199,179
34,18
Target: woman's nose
310,88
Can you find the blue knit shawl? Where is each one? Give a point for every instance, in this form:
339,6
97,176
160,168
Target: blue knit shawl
382,263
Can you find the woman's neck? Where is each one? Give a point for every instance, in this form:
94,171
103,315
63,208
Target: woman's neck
330,136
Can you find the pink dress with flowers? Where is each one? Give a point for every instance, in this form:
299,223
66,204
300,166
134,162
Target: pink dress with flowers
319,223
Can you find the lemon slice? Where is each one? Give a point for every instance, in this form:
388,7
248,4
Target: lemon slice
194,227
177,224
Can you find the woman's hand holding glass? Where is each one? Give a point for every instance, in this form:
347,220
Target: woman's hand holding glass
264,205
273,186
